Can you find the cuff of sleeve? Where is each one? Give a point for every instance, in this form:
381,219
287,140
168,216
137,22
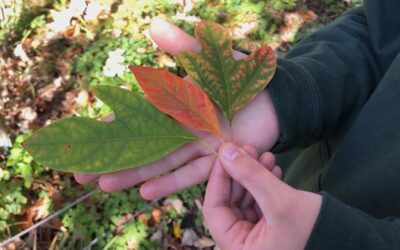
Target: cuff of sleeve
340,226
297,102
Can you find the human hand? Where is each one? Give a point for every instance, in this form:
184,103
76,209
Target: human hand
280,217
255,124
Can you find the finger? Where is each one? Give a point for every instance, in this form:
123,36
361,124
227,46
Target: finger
270,193
126,178
238,212
258,211
247,207
217,212
219,217
249,214
277,171
218,190
189,175
237,194
85,178
237,190
173,40
268,160
248,200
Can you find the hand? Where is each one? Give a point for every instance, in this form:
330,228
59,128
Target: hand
255,124
280,218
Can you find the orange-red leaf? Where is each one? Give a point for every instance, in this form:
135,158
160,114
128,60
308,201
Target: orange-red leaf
178,98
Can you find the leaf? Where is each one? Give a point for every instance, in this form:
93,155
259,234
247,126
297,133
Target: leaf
140,134
229,83
178,98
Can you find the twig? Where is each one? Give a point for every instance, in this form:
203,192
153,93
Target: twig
6,242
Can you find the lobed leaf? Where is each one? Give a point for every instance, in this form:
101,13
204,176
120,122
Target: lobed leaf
178,98
229,83
139,135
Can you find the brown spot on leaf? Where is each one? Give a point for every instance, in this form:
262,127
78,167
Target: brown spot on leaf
67,147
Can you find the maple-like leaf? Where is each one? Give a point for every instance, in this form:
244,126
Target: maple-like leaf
184,101
140,134
229,83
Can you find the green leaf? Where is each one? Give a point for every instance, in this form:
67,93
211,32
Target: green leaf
229,83
139,135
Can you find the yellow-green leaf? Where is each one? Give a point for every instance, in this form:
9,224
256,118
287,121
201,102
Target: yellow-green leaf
139,135
229,83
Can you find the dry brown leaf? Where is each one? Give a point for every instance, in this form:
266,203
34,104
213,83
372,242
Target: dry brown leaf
156,216
204,242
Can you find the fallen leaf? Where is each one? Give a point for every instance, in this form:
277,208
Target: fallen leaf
122,221
177,204
177,231
164,60
182,100
189,237
157,236
293,22
37,211
156,215
204,242
143,218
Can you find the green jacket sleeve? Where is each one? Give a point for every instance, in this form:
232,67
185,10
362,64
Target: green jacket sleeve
326,78
340,226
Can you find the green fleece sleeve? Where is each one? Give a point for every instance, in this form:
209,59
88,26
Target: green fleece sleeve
340,226
325,80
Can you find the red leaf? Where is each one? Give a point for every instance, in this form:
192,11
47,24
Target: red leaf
182,100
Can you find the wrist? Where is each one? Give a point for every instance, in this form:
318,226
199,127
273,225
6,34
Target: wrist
305,214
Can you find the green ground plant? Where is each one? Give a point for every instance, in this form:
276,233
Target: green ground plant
89,65
15,179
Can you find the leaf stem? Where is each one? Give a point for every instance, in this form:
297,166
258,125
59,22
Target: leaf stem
205,144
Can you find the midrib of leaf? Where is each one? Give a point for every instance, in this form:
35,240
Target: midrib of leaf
221,64
114,139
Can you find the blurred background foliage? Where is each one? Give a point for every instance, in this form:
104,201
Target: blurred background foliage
52,52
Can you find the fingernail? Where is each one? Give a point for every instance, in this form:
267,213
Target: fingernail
230,151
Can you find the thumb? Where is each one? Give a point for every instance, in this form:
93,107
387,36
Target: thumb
270,193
